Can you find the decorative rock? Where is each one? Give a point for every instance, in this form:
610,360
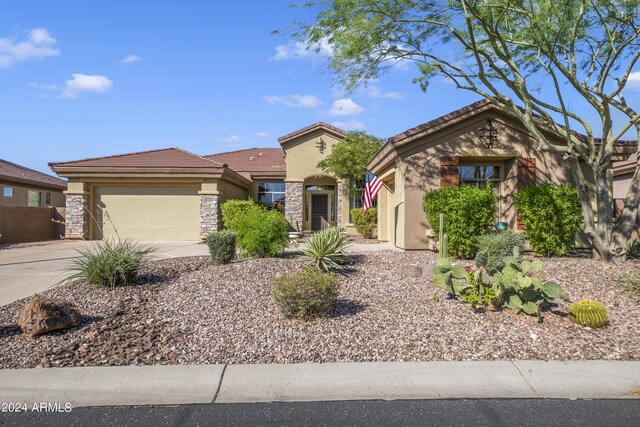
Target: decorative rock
43,315
427,270
409,270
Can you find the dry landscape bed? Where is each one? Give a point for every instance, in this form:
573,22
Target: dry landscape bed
199,314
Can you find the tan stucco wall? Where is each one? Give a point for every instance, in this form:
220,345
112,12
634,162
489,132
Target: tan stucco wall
621,185
229,191
302,155
20,195
422,160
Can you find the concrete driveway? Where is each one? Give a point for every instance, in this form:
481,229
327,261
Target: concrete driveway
29,270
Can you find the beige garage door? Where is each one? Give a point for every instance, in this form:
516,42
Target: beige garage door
147,213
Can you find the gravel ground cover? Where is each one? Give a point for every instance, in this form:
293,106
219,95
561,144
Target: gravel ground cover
184,311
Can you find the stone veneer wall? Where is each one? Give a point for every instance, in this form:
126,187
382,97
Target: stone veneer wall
77,216
339,195
210,218
294,199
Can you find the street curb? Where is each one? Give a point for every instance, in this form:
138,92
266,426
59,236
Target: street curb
183,384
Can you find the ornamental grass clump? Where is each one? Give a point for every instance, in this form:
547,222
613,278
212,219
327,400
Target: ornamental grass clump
222,246
306,293
589,313
109,263
499,246
326,248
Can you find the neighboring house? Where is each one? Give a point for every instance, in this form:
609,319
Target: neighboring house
21,186
171,194
471,145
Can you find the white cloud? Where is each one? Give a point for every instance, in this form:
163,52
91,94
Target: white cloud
345,107
294,101
38,44
80,83
633,82
377,92
130,58
231,138
301,50
46,87
261,134
349,125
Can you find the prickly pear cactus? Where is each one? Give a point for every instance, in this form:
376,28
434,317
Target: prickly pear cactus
588,313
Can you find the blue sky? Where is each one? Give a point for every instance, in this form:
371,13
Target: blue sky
92,78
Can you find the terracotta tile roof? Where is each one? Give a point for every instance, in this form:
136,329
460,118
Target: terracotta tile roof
435,122
310,128
166,157
20,174
253,160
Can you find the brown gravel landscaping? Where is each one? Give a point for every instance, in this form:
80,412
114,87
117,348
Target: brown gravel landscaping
187,312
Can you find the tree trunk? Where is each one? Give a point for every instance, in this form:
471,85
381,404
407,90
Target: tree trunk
626,223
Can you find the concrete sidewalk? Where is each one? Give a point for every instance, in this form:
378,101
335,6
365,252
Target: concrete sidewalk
169,385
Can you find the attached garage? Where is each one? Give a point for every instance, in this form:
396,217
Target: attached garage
147,213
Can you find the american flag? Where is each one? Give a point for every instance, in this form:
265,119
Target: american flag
372,187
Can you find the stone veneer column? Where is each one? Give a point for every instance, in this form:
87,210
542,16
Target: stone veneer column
77,216
294,200
339,196
210,218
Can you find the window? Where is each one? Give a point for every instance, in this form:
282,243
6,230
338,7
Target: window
48,198
320,188
8,192
272,194
33,198
477,176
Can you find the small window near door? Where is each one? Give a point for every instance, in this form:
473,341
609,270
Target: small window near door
8,192
48,198
355,196
272,194
33,198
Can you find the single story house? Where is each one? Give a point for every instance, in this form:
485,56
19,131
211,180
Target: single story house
22,186
172,194
471,145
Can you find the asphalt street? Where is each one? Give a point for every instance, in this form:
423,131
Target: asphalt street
451,412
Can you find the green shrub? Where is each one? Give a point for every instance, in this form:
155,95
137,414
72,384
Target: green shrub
109,263
633,250
469,213
233,209
260,231
306,293
326,248
551,215
222,246
365,223
499,246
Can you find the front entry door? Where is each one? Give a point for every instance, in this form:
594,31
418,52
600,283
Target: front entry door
319,211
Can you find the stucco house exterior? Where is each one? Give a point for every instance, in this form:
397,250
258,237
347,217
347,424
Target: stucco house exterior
470,145
172,194
22,186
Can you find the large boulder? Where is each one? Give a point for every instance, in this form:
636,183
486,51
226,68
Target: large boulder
43,315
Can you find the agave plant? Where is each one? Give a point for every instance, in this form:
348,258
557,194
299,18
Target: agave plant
326,248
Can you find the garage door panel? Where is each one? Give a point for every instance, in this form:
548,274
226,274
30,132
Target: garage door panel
147,213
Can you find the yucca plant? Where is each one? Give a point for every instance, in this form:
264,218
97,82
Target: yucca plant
633,249
326,248
109,263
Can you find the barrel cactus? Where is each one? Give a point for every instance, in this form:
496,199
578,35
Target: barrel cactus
588,313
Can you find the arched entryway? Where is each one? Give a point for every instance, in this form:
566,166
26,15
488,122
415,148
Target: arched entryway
320,203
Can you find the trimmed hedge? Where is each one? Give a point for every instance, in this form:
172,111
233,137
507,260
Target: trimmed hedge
306,293
468,213
365,223
222,246
260,231
552,215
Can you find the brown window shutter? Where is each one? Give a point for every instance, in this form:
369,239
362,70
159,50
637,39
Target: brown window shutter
449,171
526,171
526,176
